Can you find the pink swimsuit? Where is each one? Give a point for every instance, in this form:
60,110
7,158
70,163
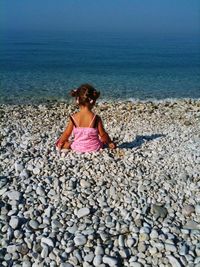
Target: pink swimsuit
86,139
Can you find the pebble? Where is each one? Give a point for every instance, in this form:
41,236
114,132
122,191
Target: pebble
18,167
197,209
97,260
153,250
197,250
34,224
154,234
3,181
69,249
45,251
84,183
36,171
188,210
48,241
72,229
3,191
11,249
192,225
89,257
130,242
173,261
80,240
24,174
142,247
111,261
56,224
159,211
83,212
66,264
121,241
40,191
14,195
143,237
136,264
14,222
99,250
170,247
26,264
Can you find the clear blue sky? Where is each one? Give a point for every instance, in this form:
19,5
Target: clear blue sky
137,16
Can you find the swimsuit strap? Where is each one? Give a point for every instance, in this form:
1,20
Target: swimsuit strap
73,121
92,121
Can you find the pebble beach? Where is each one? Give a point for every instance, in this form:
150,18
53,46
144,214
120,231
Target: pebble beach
135,206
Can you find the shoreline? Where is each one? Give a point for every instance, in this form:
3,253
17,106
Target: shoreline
102,101
138,205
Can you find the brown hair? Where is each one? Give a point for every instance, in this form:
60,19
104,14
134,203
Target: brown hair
85,94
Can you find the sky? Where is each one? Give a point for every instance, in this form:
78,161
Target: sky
136,16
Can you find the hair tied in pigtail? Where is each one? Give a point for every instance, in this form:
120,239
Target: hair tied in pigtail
91,101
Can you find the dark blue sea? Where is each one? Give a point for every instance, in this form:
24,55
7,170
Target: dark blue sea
37,67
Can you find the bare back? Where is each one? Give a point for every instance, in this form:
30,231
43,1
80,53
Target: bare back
84,119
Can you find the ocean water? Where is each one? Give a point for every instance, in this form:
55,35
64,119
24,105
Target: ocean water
36,67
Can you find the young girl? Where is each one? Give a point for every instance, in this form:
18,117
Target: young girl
89,133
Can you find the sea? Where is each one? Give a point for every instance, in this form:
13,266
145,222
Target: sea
37,67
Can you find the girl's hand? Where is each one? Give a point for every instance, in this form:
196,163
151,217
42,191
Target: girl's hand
59,145
112,145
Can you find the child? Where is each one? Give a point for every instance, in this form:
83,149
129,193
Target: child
87,128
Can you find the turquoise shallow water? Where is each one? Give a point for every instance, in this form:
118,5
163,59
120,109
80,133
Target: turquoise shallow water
35,67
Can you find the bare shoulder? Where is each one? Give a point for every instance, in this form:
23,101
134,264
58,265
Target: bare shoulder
98,122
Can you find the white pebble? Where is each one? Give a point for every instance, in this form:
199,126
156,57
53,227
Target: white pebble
173,261
14,222
97,260
197,209
110,261
48,241
14,195
83,212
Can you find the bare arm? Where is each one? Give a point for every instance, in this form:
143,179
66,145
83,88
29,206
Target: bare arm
104,135
65,135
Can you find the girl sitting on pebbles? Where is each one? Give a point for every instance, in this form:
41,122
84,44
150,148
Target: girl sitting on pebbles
88,131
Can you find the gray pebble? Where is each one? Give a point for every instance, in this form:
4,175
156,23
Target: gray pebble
3,181
136,264
89,257
14,222
197,209
111,261
159,211
99,250
14,195
83,212
26,263
45,251
34,224
18,167
188,210
97,260
80,240
48,241
40,191
173,261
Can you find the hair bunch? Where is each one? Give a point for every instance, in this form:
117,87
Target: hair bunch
85,94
